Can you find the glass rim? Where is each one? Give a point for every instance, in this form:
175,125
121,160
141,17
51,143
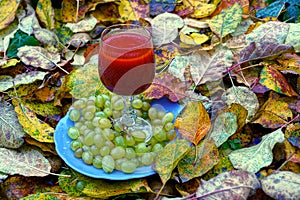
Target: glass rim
134,26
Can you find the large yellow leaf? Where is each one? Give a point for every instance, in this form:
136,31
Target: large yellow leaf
194,123
7,12
45,12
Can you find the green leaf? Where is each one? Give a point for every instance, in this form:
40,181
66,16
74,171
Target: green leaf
224,126
207,157
243,96
258,156
282,185
169,157
227,21
26,162
293,36
7,82
20,39
11,131
43,109
235,184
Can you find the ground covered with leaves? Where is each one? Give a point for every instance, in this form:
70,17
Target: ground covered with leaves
233,65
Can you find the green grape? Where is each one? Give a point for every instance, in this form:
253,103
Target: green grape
167,118
80,139
171,134
92,98
87,157
108,134
105,150
91,108
108,112
137,103
152,141
147,159
169,126
88,115
89,138
107,104
75,145
141,148
128,167
130,153
120,141
79,104
85,148
144,115
74,115
117,152
118,126
104,123
80,185
99,140
99,101
78,124
138,112
89,124
159,133
94,150
146,106
109,144
116,114
78,152
152,113
138,135
156,122
105,97
129,140
119,162
118,105
73,133
101,114
115,98
135,161
157,147
97,162
108,164
160,114
95,121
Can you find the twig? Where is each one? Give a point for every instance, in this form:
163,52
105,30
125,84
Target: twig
248,67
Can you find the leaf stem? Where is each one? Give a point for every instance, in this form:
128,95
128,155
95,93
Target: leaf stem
291,121
248,67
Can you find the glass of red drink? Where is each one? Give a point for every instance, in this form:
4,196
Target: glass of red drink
126,67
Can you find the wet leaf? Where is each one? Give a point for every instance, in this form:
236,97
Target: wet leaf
207,157
282,185
293,36
206,67
165,28
194,123
236,184
258,156
274,113
11,131
7,12
45,13
27,162
7,82
169,157
274,80
243,96
84,25
38,57
165,84
227,21
224,126
32,125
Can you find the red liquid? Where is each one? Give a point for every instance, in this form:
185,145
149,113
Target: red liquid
126,63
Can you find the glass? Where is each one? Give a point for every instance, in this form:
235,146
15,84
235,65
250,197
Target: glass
126,67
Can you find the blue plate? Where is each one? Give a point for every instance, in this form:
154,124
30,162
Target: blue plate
62,145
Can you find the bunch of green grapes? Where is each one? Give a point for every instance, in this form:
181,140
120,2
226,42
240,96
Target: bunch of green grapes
100,142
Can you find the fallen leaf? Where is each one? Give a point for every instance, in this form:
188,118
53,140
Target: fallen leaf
46,37
79,40
289,63
45,13
38,57
293,36
84,25
258,156
141,10
292,133
7,82
26,162
178,66
224,126
194,123
165,28
165,84
32,125
228,3
169,157
272,10
8,11
72,11
274,113
227,21
11,131
240,112
126,11
274,80
161,6
223,165
207,157
201,9
27,19
235,184
292,153
243,96
282,185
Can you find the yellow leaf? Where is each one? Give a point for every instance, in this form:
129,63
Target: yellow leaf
201,8
45,12
10,63
126,11
194,123
33,126
8,10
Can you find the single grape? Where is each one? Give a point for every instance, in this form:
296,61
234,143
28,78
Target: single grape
129,140
146,106
116,114
89,124
74,115
105,150
147,159
88,115
119,162
108,164
89,138
128,167
157,147
80,103
135,161
108,112
107,104
120,141
80,185
159,134
104,123
94,150
169,126
87,157
130,153
78,124
78,152
117,152
106,97
156,122
138,135
137,103
118,126
75,145
167,118
91,108
109,144
118,105
97,162
161,114
99,101
99,140
101,114
138,112
152,113
108,134
171,134
73,133
141,148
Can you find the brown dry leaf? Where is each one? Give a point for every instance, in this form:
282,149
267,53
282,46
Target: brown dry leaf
165,84
194,123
